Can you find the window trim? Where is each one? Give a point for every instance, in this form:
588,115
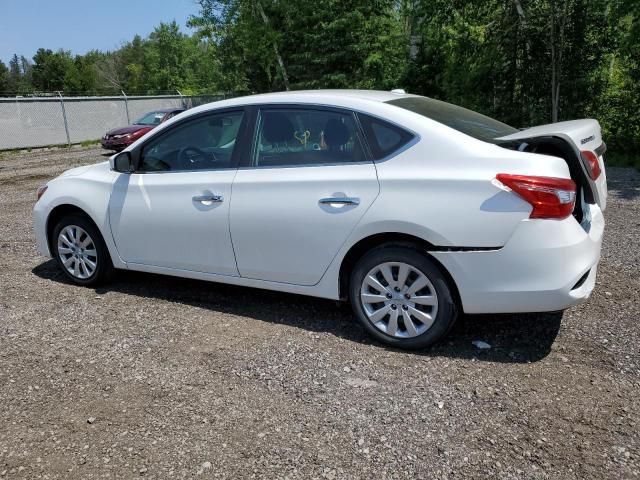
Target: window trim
138,151
246,162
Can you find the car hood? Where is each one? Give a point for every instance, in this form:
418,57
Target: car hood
127,129
74,172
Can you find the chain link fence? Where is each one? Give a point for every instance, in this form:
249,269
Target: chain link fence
32,122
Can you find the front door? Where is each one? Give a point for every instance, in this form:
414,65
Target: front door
173,211
306,186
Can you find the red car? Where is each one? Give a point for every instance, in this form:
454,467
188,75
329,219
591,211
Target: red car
120,138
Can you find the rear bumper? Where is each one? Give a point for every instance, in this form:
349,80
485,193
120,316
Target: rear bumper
547,265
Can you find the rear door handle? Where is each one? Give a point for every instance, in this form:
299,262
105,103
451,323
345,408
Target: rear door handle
340,201
208,198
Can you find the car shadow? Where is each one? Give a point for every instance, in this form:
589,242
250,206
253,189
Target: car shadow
514,338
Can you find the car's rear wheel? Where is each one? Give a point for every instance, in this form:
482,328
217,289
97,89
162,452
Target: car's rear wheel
401,298
80,251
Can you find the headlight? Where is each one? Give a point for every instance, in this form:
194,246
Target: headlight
41,190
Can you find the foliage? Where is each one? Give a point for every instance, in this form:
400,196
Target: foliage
525,62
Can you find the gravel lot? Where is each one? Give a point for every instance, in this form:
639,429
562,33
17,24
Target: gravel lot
167,378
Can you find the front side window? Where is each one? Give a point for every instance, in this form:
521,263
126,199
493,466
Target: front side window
202,144
306,137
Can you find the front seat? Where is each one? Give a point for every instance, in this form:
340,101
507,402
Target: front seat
277,128
277,131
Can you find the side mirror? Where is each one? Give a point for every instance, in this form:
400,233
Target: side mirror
122,162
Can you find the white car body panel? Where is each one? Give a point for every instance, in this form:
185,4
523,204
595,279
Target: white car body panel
276,216
155,220
535,271
87,188
271,232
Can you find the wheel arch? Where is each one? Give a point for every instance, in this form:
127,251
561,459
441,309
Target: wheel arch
389,239
59,212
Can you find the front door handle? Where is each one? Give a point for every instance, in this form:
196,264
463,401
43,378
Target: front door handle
208,198
340,201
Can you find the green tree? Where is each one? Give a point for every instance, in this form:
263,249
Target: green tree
271,45
15,74
164,58
50,69
4,78
525,62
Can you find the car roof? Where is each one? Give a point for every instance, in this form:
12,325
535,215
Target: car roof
318,97
294,95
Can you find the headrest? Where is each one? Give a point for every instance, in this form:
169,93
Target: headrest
277,128
335,133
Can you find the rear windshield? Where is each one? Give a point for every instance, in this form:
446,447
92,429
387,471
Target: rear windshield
466,121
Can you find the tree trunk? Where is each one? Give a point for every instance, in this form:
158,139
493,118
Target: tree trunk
557,50
554,74
523,21
283,70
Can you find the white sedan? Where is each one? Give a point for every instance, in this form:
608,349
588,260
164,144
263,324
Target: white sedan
412,209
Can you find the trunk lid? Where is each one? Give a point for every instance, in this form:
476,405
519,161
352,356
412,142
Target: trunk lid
581,135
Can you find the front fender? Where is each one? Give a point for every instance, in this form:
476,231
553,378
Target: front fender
89,193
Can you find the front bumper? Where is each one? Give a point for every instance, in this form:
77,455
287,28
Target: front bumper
40,229
547,265
115,144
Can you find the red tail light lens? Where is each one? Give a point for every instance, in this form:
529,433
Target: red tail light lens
592,162
550,197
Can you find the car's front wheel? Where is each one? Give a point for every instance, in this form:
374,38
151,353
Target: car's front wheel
401,298
80,251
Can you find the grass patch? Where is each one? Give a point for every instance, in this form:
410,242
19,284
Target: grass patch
86,143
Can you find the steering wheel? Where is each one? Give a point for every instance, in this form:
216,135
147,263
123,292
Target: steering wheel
191,158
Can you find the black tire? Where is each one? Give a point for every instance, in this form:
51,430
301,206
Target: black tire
446,307
104,266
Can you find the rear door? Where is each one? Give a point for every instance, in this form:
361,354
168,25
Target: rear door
300,193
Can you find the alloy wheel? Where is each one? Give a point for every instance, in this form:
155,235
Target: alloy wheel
77,252
399,299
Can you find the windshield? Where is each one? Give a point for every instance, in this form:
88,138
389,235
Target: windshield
151,118
466,121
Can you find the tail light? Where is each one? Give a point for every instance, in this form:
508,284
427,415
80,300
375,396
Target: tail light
550,197
592,163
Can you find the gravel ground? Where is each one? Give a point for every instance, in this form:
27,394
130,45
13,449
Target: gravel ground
167,378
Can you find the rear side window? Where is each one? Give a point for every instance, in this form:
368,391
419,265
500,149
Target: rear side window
383,137
306,137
